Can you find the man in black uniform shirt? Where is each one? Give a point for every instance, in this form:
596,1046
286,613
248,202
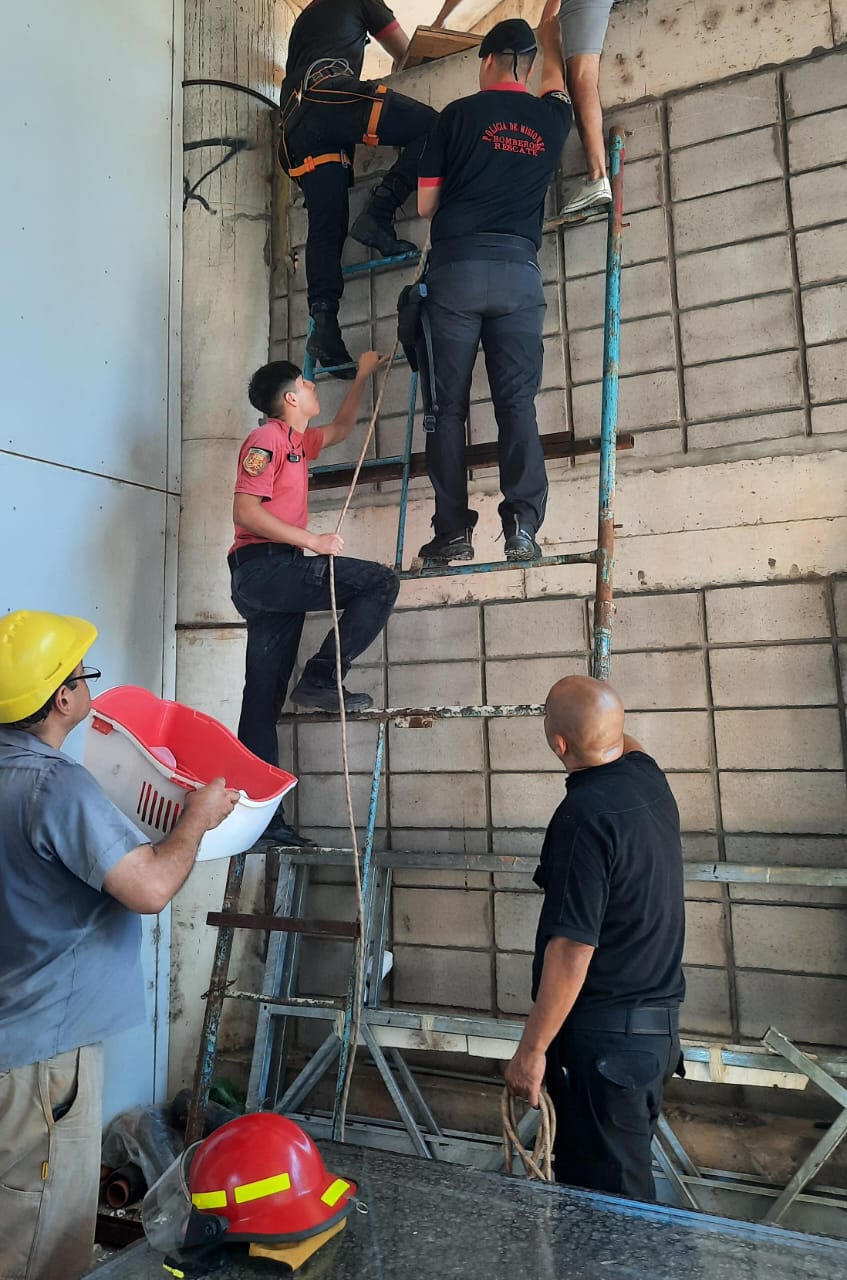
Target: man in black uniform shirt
483,180
607,973
326,111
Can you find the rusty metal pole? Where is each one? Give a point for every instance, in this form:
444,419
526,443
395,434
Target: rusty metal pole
603,606
214,1005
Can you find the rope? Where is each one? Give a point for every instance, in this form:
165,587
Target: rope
359,974
538,1165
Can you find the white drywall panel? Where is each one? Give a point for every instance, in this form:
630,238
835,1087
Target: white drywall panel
85,229
89,358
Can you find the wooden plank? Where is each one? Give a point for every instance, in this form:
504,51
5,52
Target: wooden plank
558,444
283,924
428,44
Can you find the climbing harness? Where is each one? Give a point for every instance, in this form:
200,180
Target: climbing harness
314,88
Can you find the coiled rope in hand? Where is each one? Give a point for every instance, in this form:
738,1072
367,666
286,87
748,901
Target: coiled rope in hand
359,973
538,1165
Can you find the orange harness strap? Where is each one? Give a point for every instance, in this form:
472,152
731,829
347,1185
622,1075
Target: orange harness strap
311,163
371,138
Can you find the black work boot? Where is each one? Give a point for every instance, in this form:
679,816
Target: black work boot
280,831
375,225
325,344
520,542
445,547
324,697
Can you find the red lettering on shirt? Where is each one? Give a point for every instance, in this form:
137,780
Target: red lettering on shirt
514,138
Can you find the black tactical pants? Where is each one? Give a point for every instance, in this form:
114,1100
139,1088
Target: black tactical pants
274,594
606,1089
332,118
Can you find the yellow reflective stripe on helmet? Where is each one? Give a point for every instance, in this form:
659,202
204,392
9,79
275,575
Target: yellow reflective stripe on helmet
335,1191
209,1200
264,1187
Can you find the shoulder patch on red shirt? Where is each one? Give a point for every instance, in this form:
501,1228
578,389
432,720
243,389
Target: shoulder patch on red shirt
255,461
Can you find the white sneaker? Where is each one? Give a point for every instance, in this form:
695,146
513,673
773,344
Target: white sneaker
586,194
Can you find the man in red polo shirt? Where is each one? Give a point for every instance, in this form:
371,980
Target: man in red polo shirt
274,585
483,179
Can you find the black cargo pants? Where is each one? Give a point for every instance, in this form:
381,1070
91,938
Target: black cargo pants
273,593
606,1088
334,117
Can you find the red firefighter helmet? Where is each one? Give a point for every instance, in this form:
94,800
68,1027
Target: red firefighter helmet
260,1179
267,1178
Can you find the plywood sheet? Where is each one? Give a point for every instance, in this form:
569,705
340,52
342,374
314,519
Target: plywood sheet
428,44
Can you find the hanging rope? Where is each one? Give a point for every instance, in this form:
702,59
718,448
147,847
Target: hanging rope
539,1165
359,973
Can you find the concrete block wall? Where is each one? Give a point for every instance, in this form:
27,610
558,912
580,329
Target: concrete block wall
737,691
732,341
733,348
734,296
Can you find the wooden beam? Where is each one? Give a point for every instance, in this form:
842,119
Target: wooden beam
283,924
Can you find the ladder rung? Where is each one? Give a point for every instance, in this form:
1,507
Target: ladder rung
579,218
327,371
496,566
402,860
418,717
283,924
376,264
559,444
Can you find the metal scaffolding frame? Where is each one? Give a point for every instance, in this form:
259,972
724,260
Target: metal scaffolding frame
387,1032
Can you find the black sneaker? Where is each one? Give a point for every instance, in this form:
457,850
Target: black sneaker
324,697
280,832
521,545
326,346
380,235
445,547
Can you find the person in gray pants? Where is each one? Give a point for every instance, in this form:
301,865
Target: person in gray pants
584,24
483,180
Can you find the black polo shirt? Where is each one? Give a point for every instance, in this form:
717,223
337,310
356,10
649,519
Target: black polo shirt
611,871
333,29
493,156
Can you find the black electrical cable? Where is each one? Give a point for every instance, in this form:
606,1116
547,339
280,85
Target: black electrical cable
240,88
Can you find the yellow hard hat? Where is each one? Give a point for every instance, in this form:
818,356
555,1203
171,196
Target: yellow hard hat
37,652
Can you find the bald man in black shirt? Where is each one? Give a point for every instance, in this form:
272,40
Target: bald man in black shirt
607,972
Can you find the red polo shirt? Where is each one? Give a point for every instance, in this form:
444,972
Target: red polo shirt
267,467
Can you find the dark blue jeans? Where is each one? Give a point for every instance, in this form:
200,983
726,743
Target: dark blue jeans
273,594
501,305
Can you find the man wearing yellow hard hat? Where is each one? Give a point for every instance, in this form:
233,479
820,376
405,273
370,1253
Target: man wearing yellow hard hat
74,876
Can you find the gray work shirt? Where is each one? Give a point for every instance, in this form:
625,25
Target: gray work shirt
70,962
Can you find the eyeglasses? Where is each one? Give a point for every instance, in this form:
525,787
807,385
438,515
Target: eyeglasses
87,673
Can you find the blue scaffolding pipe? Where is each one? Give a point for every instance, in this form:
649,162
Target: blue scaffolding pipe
361,945
407,466
603,606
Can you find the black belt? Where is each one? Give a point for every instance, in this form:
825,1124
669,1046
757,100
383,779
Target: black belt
485,246
644,1021
255,549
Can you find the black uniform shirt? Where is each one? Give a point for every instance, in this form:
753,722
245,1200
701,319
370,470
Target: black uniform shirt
333,29
492,156
611,871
